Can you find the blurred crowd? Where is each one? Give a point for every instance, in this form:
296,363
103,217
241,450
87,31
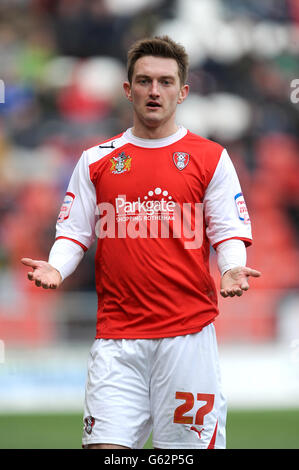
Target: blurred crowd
62,63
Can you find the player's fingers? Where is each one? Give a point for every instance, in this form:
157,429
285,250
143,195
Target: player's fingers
38,283
32,276
231,292
223,293
227,293
245,286
238,292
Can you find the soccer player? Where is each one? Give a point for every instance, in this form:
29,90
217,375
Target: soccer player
156,196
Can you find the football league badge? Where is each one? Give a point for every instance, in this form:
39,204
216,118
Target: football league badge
181,160
120,163
66,207
242,208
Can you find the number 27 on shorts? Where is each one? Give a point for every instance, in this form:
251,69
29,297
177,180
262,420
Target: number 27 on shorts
180,413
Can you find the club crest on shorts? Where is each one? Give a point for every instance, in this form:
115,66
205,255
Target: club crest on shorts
181,160
89,424
120,163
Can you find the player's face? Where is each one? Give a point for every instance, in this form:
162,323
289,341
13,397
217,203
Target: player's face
155,92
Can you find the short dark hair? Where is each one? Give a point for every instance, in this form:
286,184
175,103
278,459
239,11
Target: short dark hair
158,46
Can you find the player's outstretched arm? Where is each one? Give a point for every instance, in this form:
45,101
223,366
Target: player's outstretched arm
43,274
235,281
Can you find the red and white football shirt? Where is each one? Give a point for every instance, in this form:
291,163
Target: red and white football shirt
155,206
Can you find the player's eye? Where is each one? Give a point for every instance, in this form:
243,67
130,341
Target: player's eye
166,82
143,81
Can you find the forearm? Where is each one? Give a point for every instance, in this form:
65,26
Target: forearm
230,254
65,256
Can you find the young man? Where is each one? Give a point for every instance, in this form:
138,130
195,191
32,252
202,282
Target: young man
156,196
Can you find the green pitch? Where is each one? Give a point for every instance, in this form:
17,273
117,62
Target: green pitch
277,429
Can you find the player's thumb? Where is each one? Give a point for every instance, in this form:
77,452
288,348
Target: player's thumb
252,272
29,262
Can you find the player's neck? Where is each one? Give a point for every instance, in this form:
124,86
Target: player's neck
159,132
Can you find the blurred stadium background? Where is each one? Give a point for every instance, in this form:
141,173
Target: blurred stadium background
62,63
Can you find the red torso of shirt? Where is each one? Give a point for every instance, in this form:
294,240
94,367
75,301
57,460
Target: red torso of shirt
152,287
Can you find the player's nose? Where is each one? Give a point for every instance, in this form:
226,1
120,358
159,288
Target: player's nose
154,91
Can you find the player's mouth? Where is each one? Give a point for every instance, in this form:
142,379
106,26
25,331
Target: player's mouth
153,105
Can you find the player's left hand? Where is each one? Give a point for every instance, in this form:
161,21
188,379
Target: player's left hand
235,281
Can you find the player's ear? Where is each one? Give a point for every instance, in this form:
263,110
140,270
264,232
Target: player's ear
127,89
184,91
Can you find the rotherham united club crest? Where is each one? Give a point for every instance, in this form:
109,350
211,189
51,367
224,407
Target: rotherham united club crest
181,160
120,163
89,424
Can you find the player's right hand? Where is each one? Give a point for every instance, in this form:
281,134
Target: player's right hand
43,274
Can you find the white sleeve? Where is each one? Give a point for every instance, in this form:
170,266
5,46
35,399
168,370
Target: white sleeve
225,209
65,256
77,217
230,254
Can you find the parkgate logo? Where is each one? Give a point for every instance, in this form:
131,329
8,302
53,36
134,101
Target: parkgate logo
150,206
153,215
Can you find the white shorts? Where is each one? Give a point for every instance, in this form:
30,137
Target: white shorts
168,386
